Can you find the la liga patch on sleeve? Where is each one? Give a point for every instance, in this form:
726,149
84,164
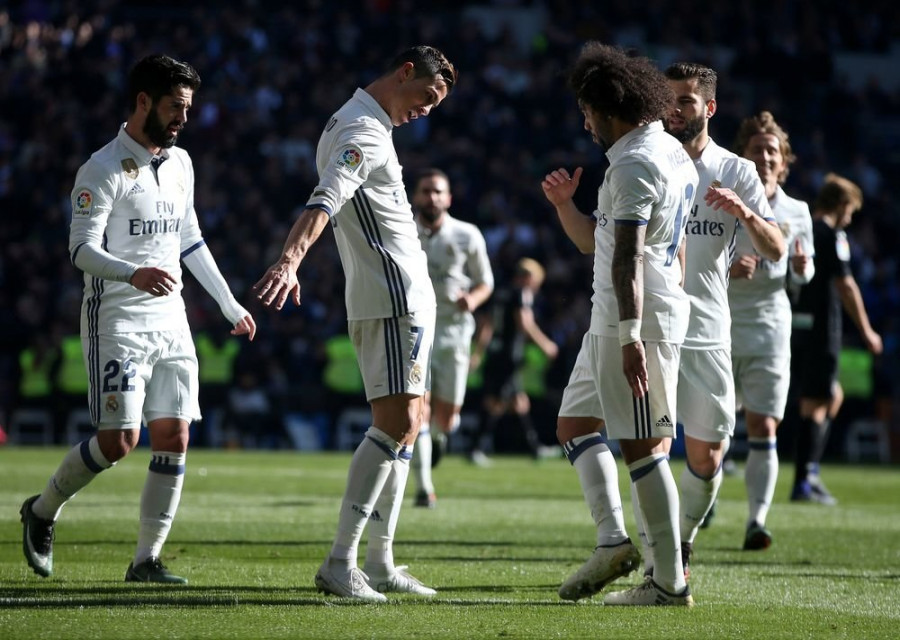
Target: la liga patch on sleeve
82,202
349,159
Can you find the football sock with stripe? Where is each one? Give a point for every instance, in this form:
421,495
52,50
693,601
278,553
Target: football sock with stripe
599,478
78,468
383,525
369,469
657,494
760,477
697,497
159,502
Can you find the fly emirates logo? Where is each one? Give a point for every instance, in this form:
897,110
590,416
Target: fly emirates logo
702,227
165,222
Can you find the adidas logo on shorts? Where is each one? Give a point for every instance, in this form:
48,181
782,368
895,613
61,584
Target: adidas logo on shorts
664,422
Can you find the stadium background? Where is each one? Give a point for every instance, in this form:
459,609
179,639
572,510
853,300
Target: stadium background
272,74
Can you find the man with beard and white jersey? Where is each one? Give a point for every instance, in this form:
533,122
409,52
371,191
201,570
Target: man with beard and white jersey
390,306
734,196
461,274
133,222
625,377
761,316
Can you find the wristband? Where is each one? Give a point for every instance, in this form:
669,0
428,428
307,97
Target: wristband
629,331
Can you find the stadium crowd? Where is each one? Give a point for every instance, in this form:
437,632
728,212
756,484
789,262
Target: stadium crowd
273,72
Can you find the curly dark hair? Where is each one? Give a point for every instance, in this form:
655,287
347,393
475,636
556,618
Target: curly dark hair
158,75
764,122
612,83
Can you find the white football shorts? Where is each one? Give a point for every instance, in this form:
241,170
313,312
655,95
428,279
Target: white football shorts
144,376
762,382
597,389
706,394
450,359
394,353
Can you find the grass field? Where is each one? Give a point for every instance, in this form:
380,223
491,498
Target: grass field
253,528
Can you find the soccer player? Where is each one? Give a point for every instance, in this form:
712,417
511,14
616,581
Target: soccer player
761,316
462,278
626,374
501,342
818,329
390,305
133,221
734,197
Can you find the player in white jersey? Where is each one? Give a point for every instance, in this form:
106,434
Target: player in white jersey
638,321
734,195
133,222
390,305
761,316
462,278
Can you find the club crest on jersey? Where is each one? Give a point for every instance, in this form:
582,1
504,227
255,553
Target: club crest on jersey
112,405
83,202
129,166
349,160
415,374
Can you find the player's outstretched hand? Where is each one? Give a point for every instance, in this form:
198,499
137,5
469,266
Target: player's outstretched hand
279,282
559,186
245,327
156,282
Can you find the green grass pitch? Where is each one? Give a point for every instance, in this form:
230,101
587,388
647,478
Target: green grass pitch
253,527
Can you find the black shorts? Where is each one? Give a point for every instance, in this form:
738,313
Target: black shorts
815,371
502,378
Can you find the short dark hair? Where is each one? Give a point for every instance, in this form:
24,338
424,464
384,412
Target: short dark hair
612,83
428,62
158,75
429,172
706,77
837,191
764,122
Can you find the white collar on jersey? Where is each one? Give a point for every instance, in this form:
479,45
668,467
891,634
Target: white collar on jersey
371,105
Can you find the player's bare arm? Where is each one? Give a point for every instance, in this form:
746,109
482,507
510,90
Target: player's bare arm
280,280
852,300
156,282
628,283
766,237
559,188
524,319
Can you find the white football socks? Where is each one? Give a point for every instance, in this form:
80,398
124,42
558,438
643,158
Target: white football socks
760,477
383,525
421,461
159,502
369,469
658,499
697,497
79,466
596,468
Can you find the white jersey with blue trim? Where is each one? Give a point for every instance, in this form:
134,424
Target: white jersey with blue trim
361,188
760,308
710,237
650,181
457,261
142,216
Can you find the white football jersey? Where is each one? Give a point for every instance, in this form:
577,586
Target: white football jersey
760,309
361,188
457,261
141,215
710,237
650,181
